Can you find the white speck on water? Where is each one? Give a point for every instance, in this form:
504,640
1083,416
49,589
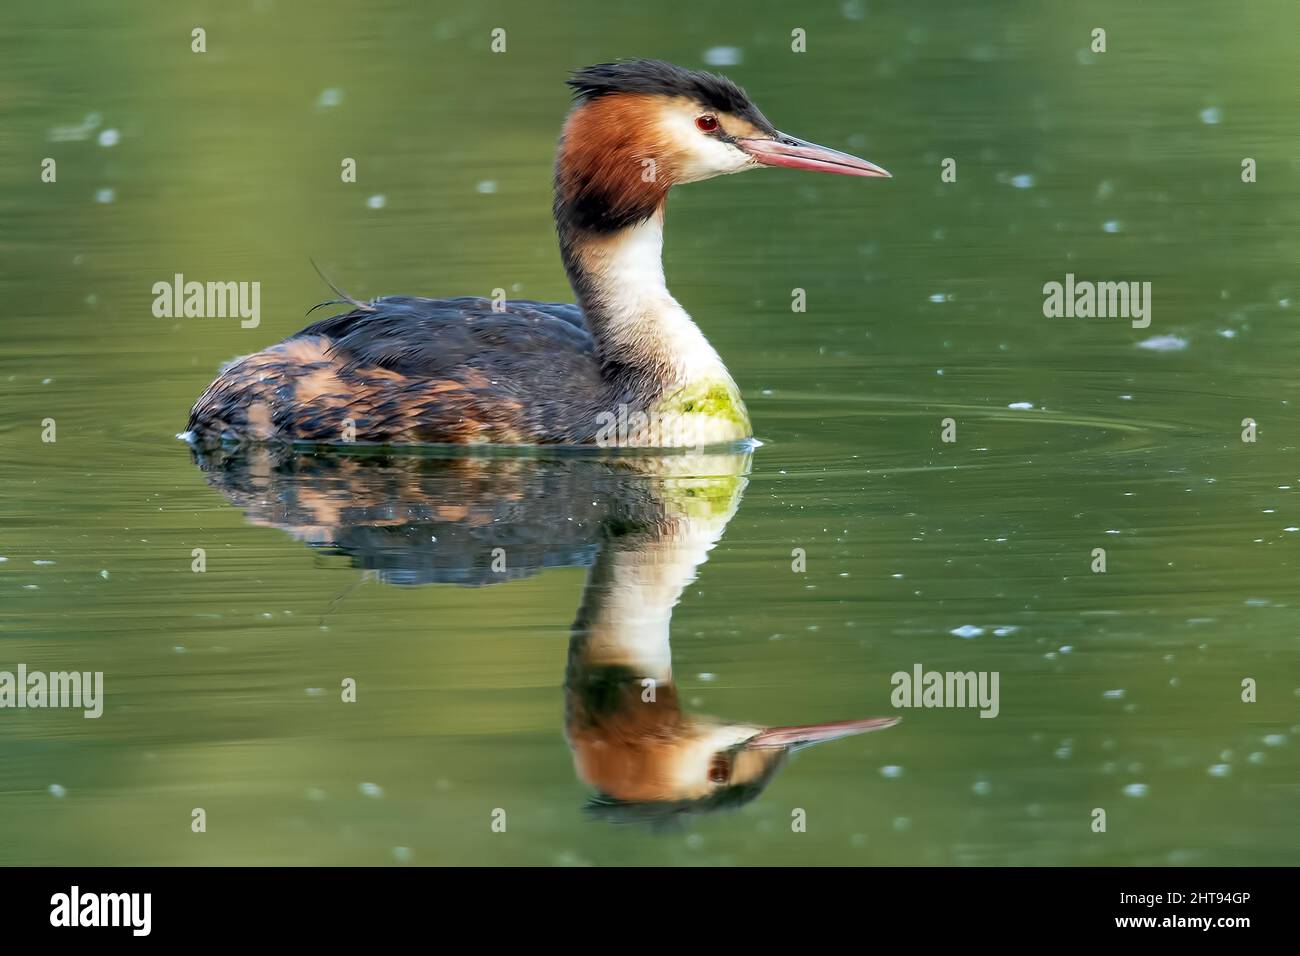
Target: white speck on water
371,790
1021,406
1005,630
403,854
1126,398
178,649
1136,790
981,788
1228,333
1292,528
1067,648
723,55
898,577
57,791
1023,180
1257,757
1275,740
105,195
1064,752
377,201
44,561
707,677
941,297
1117,694
967,631
104,574
314,691
1163,343
487,186
109,137
1211,116
891,772
1112,226
1219,770
329,98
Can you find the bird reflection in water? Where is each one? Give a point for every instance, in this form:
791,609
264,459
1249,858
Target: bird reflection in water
642,524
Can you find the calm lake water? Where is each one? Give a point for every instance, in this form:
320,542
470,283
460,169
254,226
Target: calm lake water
475,691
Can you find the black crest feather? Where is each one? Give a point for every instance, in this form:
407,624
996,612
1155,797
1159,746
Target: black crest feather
655,76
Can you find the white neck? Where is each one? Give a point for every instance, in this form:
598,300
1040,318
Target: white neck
640,321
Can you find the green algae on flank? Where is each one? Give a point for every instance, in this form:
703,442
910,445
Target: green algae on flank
719,400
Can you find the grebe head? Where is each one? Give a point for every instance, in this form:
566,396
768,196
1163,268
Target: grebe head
656,763
641,126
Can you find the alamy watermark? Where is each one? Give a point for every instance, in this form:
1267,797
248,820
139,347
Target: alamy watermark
208,300
1102,300
37,689
922,688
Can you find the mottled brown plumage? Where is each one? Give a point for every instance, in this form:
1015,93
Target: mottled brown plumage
411,370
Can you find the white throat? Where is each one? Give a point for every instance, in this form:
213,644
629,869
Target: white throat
641,319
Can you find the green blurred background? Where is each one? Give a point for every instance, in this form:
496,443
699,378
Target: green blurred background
924,302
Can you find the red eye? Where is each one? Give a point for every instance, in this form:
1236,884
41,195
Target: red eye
719,766
706,123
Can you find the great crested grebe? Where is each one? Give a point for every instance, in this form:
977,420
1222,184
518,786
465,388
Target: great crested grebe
626,366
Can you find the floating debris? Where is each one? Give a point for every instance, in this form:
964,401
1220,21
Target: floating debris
73,134
723,55
109,137
1136,790
967,631
891,772
377,201
1021,406
1164,343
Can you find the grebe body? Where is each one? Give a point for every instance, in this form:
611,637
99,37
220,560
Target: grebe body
625,367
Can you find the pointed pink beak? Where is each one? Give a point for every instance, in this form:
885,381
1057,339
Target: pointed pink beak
799,154
799,737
